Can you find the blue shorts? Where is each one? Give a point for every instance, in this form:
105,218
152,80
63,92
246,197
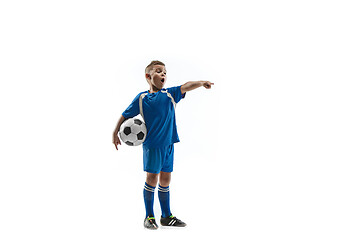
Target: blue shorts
158,159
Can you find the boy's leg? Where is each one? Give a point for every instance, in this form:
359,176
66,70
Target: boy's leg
164,194
165,178
167,219
149,190
151,162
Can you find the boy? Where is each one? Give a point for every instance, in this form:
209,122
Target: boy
157,106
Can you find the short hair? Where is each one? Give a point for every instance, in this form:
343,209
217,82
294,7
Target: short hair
152,64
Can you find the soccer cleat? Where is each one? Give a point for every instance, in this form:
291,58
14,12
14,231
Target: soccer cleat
172,222
150,223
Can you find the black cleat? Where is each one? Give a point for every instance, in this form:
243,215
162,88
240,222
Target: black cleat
172,222
150,223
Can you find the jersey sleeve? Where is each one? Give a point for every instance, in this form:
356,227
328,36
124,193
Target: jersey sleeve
133,109
176,93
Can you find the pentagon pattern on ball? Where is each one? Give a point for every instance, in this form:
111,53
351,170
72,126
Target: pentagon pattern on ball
140,136
138,122
133,132
129,143
127,130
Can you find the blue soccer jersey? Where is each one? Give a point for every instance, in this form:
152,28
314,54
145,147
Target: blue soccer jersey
159,116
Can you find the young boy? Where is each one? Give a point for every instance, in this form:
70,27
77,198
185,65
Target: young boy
157,106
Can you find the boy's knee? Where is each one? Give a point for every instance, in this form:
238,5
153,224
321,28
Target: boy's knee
151,179
165,179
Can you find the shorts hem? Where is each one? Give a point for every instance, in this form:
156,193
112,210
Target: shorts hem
157,172
151,171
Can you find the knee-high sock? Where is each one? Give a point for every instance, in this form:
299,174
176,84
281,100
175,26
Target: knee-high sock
149,199
164,198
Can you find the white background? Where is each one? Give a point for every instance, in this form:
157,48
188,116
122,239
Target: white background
270,152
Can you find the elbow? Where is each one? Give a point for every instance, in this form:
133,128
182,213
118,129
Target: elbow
183,88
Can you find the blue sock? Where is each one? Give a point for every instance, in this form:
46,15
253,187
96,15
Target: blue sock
149,199
164,198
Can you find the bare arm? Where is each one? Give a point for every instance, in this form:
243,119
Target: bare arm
116,139
195,84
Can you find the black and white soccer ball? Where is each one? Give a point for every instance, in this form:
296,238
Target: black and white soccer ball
133,132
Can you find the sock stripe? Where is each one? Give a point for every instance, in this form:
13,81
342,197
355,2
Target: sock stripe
149,188
164,189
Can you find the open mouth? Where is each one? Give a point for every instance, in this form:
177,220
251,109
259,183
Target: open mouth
162,80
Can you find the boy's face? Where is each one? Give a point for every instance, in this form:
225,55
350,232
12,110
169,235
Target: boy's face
157,76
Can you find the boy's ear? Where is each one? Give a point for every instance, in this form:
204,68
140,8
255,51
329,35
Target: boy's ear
147,76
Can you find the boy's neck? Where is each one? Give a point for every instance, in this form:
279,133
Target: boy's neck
153,89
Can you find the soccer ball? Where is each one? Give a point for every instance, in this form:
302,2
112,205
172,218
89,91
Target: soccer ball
133,132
